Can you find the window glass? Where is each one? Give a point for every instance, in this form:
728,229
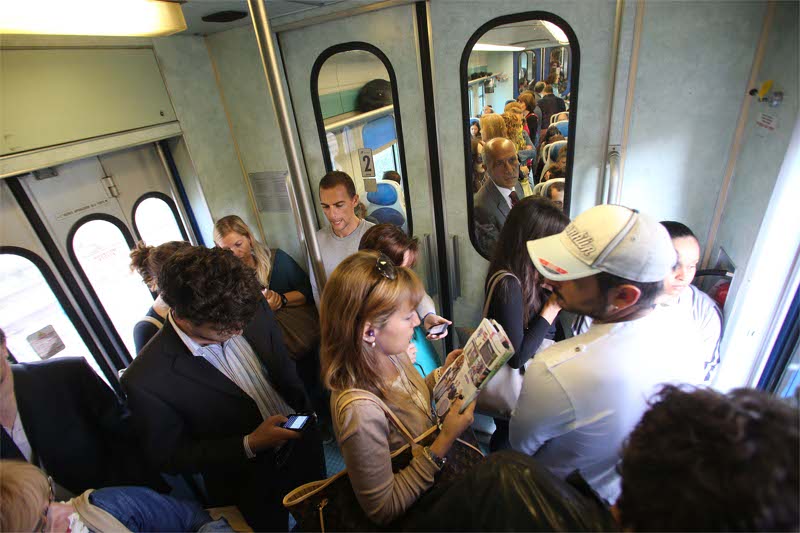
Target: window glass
103,254
540,153
155,221
356,111
33,320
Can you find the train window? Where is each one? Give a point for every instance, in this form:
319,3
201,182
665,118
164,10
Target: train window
537,127
355,104
156,220
35,323
100,246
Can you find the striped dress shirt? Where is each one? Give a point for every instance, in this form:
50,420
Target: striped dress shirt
237,361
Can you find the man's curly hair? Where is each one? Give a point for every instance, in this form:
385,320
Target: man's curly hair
213,286
700,460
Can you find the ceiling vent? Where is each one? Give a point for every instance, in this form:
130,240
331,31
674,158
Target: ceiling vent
225,16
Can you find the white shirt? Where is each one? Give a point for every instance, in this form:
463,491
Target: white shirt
704,314
505,192
582,397
20,438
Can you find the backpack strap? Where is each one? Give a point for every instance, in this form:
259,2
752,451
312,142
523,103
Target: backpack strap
152,320
493,281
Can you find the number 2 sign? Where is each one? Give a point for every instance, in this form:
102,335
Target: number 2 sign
367,164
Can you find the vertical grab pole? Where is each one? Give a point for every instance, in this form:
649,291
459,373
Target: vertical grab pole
614,192
269,60
612,83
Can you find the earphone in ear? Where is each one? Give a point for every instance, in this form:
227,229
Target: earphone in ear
371,333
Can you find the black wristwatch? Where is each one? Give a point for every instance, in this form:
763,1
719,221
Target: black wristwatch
284,300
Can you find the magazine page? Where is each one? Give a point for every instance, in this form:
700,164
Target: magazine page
485,352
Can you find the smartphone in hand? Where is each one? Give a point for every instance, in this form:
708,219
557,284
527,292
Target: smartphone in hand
438,329
296,422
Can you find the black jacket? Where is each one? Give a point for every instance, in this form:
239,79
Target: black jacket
78,428
193,419
550,104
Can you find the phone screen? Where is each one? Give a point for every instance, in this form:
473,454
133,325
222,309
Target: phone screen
437,330
296,422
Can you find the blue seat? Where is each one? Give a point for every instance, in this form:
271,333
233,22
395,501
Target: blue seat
563,127
386,205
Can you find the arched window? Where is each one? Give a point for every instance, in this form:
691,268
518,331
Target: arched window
35,323
521,43
156,220
354,92
99,246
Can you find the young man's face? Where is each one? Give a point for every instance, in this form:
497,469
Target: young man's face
682,274
339,207
581,296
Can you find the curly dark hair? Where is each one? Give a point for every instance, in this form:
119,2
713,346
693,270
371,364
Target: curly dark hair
213,286
700,460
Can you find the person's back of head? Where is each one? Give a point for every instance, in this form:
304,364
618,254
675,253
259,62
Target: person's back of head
492,126
539,87
548,89
25,494
391,175
211,286
532,218
528,99
391,241
336,178
700,460
556,187
148,260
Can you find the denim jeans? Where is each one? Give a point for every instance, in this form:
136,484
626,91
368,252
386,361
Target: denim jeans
143,509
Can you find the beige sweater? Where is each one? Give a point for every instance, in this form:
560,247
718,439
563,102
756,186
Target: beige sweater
367,438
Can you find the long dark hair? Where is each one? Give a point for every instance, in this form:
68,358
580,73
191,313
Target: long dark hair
532,218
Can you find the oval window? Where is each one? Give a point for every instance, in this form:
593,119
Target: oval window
156,221
517,129
101,251
355,103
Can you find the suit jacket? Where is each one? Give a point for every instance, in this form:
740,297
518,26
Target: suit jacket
491,210
77,427
193,418
550,105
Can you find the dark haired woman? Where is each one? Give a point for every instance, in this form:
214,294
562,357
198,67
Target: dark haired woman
519,301
147,261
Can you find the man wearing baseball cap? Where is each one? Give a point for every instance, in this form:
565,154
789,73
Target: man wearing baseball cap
581,397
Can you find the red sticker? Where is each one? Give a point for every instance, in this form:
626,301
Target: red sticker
555,269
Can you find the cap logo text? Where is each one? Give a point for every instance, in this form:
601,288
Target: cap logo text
581,239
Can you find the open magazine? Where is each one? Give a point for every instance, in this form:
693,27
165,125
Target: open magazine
486,351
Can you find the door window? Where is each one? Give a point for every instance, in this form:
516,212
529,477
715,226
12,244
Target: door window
544,152
355,104
35,323
156,221
100,250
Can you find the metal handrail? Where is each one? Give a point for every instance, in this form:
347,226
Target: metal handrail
613,181
361,117
269,60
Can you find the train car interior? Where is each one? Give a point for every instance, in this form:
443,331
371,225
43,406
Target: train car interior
686,111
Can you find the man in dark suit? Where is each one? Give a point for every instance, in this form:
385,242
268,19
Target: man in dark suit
550,104
498,194
60,415
210,390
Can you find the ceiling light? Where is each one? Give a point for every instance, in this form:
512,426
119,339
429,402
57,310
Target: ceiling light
146,18
557,33
481,47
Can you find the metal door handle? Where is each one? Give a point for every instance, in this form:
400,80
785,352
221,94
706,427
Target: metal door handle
456,278
430,278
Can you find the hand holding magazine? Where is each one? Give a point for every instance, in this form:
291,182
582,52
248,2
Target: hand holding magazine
486,351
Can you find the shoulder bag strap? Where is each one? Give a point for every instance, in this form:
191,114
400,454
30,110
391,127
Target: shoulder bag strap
360,394
493,281
152,320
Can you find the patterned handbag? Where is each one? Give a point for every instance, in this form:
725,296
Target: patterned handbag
330,504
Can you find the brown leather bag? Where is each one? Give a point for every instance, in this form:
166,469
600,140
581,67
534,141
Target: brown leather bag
330,504
300,328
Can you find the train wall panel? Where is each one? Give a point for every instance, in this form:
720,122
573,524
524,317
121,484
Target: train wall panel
188,72
763,152
255,127
694,63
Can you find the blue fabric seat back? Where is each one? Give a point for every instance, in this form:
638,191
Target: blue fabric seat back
563,127
385,195
388,215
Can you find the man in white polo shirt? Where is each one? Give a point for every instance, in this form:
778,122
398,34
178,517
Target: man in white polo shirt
582,397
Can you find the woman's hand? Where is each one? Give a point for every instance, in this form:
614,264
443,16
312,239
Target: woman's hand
455,424
273,299
452,356
432,320
411,351
551,309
